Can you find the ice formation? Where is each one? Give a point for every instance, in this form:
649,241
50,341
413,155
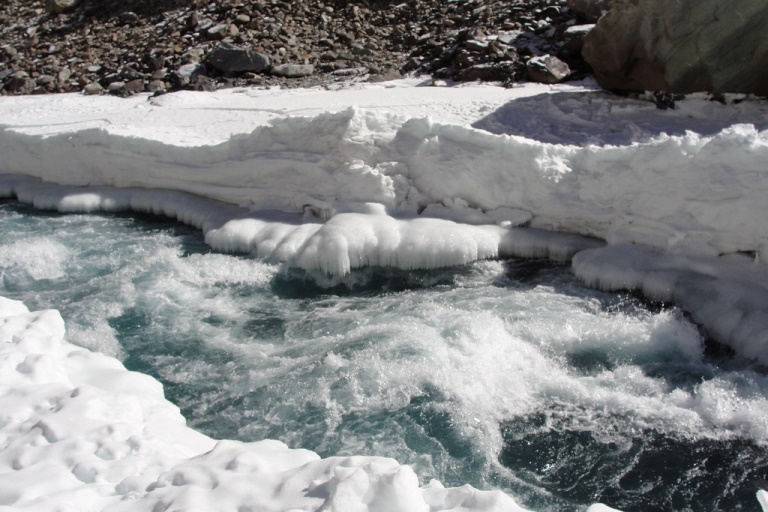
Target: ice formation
305,179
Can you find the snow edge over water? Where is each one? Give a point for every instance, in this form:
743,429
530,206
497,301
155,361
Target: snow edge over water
80,432
343,190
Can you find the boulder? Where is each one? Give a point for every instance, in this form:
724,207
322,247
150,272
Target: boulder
229,58
681,47
589,10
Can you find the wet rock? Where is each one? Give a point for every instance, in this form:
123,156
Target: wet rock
129,17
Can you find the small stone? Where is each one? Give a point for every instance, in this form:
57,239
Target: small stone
478,46
222,30
93,88
135,85
156,85
392,74
64,75
45,80
547,69
293,70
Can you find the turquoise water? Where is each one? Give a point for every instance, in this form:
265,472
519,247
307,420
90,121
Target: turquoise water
506,375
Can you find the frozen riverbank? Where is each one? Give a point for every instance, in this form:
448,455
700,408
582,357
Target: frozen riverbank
403,179
669,203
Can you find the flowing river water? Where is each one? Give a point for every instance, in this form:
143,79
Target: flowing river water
501,374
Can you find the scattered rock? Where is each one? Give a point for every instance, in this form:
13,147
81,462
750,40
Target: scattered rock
391,74
109,41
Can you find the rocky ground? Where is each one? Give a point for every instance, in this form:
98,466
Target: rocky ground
128,46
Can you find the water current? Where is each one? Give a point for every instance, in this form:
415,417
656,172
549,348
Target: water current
501,374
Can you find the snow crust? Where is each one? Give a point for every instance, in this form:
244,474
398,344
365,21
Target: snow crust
669,203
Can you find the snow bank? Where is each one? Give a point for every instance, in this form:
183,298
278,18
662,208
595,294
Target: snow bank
80,432
333,187
690,192
728,297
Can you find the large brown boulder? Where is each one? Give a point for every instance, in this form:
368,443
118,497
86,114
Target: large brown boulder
682,46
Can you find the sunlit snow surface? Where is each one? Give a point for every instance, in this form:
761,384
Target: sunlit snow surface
358,183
